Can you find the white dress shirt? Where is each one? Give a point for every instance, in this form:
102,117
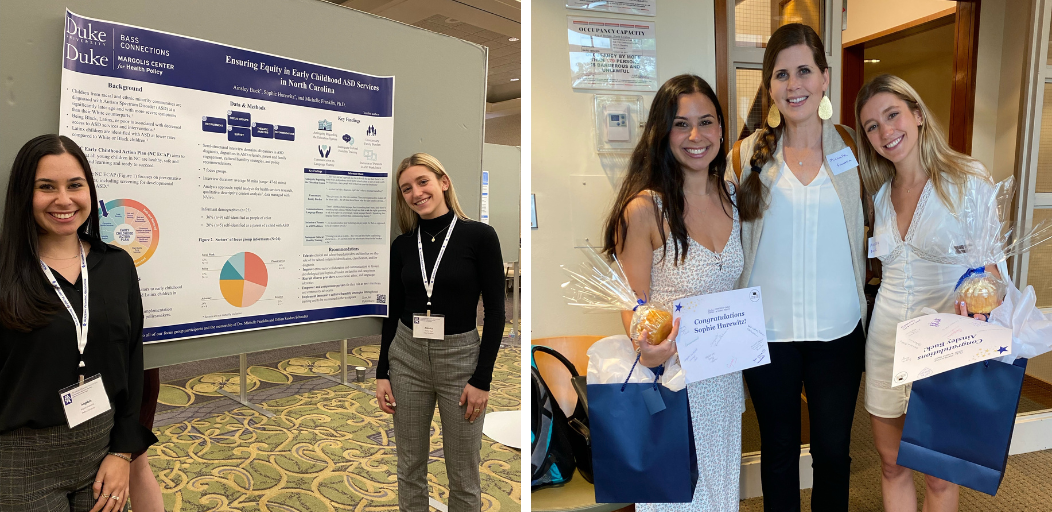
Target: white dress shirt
803,262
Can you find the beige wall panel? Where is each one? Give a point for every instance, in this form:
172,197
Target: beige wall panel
563,143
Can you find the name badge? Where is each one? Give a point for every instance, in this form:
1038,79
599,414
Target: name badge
879,246
83,402
842,160
429,327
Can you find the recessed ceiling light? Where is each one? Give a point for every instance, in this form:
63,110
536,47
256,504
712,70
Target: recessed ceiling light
871,61
514,79
513,39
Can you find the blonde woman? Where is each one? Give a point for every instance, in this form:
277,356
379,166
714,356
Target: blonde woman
802,233
918,181
430,349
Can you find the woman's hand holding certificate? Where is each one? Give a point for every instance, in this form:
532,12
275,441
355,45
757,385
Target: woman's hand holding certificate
721,333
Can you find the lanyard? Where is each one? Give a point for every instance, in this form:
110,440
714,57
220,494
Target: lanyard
429,286
82,323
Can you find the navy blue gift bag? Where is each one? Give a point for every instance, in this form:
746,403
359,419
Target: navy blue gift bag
959,424
637,456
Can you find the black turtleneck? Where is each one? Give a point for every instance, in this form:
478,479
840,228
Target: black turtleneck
472,265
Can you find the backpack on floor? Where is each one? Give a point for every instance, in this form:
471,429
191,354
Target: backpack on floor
551,455
578,433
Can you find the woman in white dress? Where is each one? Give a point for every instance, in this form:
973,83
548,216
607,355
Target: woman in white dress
674,228
919,183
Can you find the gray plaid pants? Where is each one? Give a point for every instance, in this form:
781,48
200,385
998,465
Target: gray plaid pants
52,469
422,373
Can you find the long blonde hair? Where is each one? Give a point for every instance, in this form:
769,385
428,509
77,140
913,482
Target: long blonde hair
940,162
407,218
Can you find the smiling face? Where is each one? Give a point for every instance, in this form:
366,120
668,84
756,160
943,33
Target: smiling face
61,197
797,85
423,191
891,127
695,135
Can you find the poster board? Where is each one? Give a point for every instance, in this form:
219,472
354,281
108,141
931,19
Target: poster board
279,219
502,163
307,30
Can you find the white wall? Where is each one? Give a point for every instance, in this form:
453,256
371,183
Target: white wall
1003,29
563,145
988,83
867,17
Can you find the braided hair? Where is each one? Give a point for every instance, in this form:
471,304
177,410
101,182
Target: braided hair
752,193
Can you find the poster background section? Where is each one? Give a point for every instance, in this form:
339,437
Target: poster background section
219,183
428,66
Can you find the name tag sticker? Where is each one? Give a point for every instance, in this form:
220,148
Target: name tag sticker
842,160
879,246
429,327
85,401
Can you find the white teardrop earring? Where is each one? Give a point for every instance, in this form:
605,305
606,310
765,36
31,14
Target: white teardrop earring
825,108
774,117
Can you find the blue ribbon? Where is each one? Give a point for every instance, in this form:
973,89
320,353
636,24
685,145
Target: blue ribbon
970,272
639,302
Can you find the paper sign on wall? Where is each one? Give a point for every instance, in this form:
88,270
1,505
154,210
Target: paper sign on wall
637,7
484,204
612,54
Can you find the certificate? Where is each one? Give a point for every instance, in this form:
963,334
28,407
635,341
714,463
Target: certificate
721,333
931,344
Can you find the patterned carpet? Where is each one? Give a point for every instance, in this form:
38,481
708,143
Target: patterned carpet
327,448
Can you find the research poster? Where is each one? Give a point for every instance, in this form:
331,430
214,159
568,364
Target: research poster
251,190
612,54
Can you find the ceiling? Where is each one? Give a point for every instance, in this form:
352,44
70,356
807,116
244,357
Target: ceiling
490,23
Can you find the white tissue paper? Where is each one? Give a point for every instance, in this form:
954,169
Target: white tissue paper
1031,331
611,358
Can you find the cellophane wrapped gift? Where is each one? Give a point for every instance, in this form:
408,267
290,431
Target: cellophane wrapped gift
599,285
983,237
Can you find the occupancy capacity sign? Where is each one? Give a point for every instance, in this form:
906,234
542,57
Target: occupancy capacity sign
721,333
932,344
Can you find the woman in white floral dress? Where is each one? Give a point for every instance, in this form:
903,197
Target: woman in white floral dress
675,230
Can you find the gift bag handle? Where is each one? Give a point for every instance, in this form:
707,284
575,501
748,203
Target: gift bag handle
660,369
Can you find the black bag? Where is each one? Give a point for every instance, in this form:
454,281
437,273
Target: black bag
579,434
551,455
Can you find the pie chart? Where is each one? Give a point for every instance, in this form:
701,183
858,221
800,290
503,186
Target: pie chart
243,279
130,225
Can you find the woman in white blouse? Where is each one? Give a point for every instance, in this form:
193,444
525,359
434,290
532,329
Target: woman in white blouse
919,182
802,233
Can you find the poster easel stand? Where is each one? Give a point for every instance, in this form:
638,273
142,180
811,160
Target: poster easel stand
243,374
243,385
515,328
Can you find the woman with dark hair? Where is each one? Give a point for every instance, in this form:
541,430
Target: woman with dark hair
674,228
802,229
430,350
71,381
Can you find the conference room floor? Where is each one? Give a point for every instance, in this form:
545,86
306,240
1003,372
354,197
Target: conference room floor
327,447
